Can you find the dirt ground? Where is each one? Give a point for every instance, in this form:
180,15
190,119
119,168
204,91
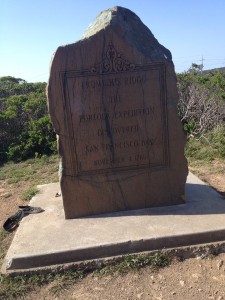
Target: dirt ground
194,278
15,184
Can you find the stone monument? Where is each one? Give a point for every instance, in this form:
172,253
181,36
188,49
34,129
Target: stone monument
112,99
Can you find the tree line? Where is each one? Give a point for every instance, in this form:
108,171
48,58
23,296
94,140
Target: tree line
25,127
26,130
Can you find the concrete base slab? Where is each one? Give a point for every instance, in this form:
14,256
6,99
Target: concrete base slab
47,239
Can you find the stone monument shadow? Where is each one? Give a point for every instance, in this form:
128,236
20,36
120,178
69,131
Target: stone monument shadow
201,199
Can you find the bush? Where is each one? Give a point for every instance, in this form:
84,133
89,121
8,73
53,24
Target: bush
208,146
25,127
201,101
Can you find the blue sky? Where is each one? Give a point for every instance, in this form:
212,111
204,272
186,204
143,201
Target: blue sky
31,31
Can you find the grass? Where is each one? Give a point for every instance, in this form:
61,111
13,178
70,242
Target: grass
19,181
207,147
14,287
36,170
206,154
28,174
3,243
135,262
29,193
63,281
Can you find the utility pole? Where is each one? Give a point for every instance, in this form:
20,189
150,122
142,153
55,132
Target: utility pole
202,64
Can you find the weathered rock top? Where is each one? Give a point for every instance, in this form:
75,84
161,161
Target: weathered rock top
130,27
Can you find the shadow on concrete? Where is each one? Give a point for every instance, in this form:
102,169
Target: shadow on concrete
201,199
219,192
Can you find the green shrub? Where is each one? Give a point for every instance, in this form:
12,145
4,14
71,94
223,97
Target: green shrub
201,100
217,140
208,147
25,127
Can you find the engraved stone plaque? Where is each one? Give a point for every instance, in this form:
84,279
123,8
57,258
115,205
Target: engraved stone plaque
112,101
116,118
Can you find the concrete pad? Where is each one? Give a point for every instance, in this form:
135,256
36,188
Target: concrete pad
47,239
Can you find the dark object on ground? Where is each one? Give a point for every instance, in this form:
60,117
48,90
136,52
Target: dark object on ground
12,222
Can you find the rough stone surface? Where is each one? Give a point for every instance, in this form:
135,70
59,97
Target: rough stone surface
113,103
